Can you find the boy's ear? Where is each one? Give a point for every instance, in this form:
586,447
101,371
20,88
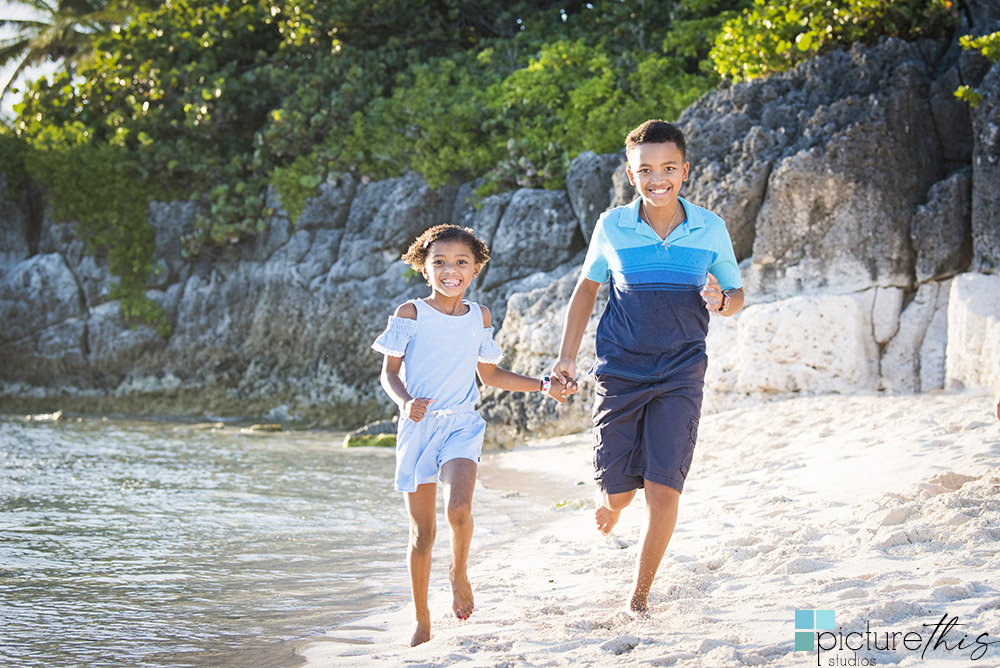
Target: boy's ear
631,176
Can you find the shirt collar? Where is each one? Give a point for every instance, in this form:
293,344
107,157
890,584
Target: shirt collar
630,217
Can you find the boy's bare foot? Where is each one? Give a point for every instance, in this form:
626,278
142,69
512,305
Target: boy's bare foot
421,633
637,607
606,519
462,600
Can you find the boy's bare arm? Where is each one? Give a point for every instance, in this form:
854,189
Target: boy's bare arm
735,302
581,305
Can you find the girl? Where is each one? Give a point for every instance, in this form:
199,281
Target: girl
434,348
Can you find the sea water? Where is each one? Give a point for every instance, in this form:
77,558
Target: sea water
164,544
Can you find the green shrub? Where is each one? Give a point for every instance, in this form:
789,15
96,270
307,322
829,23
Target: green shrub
775,36
989,47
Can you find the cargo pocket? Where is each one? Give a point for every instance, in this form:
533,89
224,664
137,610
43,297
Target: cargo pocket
692,440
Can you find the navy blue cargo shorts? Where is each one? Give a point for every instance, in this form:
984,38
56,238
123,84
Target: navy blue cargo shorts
646,430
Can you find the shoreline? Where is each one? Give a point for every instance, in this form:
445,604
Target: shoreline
881,508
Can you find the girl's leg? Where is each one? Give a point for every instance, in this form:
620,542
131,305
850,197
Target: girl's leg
422,508
459,477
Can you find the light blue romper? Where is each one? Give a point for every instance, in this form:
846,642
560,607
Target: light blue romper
440,353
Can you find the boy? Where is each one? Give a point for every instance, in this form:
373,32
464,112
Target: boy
670,264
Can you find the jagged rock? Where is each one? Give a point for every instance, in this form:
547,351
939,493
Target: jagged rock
331,206
587,184
538,231
114,346
986,176
170,221
484,221
973,353
622,192
36,294
951,117
940,230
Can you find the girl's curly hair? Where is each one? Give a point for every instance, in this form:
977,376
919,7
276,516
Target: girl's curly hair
416,254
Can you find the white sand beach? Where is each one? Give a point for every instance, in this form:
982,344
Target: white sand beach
883,509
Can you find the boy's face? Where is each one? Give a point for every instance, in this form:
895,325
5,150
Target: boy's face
450,267
657,171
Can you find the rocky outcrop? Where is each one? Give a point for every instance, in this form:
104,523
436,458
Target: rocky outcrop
854,189
859,196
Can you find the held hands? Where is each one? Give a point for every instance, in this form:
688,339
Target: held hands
563,376
560,389
711,292
416,409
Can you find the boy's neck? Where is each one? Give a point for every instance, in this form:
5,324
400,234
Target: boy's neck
662,219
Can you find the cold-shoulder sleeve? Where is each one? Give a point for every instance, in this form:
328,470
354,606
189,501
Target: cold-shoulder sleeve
489,350
397,334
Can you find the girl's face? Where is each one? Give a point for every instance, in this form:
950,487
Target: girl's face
450,267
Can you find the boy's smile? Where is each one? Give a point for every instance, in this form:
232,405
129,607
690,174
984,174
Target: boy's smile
450,267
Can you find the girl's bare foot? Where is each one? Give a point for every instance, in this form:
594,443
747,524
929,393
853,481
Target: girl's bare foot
606,519
421,633
462,600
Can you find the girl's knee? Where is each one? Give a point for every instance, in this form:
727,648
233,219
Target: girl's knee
422,538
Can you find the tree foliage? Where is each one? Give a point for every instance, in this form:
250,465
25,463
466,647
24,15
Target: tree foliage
775,36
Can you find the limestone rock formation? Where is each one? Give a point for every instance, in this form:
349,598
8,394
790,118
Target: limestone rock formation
858,193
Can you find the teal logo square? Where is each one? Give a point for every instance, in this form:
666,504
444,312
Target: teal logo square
807,622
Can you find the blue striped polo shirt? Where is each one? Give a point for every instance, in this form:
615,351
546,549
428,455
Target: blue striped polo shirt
655,321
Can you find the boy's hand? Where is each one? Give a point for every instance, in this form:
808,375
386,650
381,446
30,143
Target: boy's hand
565,372
711,292
416,409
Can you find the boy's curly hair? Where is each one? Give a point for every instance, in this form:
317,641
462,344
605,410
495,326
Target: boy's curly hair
655,131
416,254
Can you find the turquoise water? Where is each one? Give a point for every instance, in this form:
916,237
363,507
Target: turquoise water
158,544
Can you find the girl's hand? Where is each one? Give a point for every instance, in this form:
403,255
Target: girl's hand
416,409
711,292
559,390
564,371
